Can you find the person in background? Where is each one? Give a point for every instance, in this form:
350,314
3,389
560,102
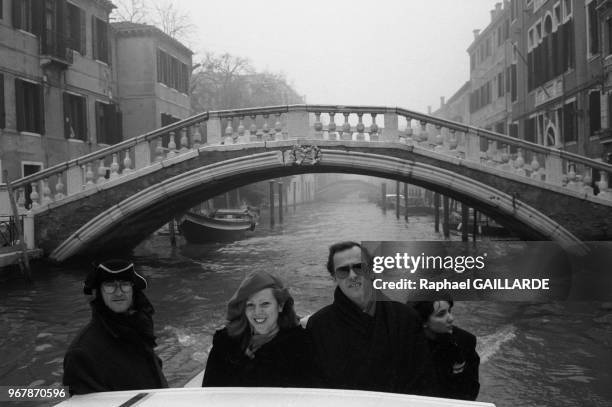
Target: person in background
262,344
363,340
115,350
453,350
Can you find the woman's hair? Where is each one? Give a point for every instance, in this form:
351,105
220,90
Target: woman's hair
425,308
286,318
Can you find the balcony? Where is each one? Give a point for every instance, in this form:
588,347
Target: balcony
53,51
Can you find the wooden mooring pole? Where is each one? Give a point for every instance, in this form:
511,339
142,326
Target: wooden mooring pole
25,261
271,204
383,193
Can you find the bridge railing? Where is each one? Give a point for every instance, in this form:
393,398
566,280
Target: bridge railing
319,122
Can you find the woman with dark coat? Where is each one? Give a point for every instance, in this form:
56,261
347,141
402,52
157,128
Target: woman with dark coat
262,344
453,350
115,350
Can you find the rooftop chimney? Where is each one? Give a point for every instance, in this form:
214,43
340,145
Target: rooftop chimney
441,102
476,33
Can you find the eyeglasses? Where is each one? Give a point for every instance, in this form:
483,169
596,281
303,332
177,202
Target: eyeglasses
111,286
343,272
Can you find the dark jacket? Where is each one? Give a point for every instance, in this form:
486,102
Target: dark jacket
386,352
454,349
285,361
108,355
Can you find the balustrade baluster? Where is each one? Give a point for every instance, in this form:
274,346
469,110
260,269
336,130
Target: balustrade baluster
603,185
374,136
255,133
59,187
331,127
127,163
360,127
229,132
184,141
171,146
196,137
21,197
587,181
114,167
101,172
266,128
46,192
278,127
346,128
89,176
519,163
241,128
452,141
571,176
34,195
318,126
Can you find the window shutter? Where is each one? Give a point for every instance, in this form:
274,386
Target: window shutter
94,38
16,13
40,120
99,135
83,36
67,116
38,28
2,110
19,105
85,135
109,43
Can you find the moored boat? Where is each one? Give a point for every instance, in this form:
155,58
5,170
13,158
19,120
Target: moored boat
220,225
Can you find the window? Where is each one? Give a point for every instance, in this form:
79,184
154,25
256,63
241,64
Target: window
593,28
1,17
172,72
29,106
567,10
569,122
2,110
75,117
594,111
472,61
513,9
513,130
609,33
530,129
75,28
101,48
500,84
513,85
22,15
109,123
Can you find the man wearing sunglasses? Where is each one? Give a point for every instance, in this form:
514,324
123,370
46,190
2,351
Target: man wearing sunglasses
363,340
115,350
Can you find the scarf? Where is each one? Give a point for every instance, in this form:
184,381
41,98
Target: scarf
258,340
134,326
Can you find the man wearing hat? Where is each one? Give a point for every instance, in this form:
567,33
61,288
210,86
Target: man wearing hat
115,350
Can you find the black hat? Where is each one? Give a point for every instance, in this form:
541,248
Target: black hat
111,270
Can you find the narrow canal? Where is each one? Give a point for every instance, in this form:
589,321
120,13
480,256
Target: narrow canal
533,354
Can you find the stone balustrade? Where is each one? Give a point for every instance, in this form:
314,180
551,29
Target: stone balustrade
317,122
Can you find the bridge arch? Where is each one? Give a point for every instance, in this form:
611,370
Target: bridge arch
129,221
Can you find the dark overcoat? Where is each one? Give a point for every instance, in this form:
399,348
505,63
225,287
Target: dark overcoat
285,361
107,357
456,363
385,352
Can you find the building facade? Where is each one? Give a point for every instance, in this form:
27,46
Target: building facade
540,71
71,83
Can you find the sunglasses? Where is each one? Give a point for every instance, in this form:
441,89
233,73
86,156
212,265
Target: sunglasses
111,287
344,271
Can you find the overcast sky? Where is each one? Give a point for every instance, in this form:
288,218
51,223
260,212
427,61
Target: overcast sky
404,53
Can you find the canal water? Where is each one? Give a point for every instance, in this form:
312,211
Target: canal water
532,354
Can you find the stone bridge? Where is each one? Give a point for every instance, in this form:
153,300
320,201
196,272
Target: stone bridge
115,197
